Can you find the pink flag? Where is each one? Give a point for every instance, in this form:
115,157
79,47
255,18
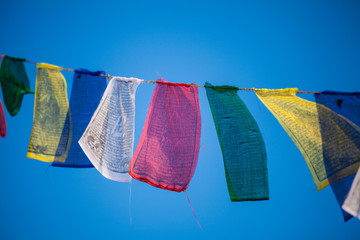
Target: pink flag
167,153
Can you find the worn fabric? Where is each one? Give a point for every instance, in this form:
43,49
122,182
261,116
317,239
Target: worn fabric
241,144
108,140
300,119
51,134
86,93
167,153
347,105
14,83
2,120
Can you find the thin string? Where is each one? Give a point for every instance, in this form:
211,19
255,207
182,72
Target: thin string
169,83
193,210
130,213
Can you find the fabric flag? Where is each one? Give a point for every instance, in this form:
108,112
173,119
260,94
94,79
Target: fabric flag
167,153
300,119
2,121
347,105
51,133
86,93
14,83
108,140
241,144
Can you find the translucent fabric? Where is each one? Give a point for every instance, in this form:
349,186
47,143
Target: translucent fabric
51,134
14,83
347,105
2,121
241,144
167,153
108,140
300,119
86,93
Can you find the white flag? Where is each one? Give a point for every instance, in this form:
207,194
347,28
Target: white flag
108,140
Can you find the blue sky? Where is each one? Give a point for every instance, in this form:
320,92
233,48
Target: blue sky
311,45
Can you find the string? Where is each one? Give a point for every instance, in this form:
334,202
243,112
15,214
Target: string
130,213
193,211
169,83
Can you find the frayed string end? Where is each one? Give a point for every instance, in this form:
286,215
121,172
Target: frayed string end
193,211
130,213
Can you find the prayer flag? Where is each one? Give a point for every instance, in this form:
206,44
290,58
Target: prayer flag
14,83
300,119
347,105
108,140
51,133
86,93
167,153
241,144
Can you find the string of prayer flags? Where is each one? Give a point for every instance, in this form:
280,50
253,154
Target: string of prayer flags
241,144
50,136
2,121
300,119
108,140
86,93
14,83
167,153
352,201
347,105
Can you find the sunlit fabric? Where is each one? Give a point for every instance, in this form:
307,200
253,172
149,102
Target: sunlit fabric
241,144
14,83
50,136
300,119
86,93
2,120
347,105
167,153
108,140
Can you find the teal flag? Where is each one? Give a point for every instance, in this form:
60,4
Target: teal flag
241,144
14,83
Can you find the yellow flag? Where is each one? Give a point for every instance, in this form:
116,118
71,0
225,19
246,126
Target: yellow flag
331,148
51,131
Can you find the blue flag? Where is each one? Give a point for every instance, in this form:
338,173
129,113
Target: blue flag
87,90
347,105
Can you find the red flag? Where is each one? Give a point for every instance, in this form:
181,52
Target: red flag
168,150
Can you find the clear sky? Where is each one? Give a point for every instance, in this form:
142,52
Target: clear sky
311,45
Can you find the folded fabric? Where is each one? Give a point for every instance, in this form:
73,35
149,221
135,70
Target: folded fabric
167,153
2,121
241,144
347,105
51,133
300,119
108,140
86,93
14,83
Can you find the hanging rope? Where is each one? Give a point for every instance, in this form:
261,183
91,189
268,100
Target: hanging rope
182,84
